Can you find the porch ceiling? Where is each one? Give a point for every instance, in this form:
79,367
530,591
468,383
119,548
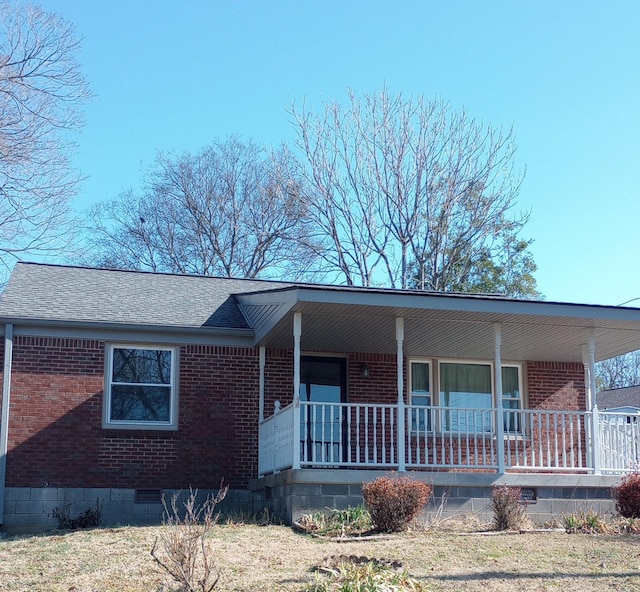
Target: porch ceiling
440,326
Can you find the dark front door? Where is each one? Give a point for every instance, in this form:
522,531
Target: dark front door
322,380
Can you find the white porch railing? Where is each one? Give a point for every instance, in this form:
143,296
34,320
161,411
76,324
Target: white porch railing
367,436
348,434
542,440
619,442
451,437
275,437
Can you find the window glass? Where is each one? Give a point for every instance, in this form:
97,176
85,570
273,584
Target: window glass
141,388
511,398
145,366
467,387
420,391
420,395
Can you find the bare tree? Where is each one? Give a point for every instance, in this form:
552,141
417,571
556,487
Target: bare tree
231,210
408,193
618,372
41,92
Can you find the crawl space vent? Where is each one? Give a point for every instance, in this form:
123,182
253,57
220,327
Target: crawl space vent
148,496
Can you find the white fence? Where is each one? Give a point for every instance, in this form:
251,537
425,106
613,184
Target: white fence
619,442
348,434
275,450
368,435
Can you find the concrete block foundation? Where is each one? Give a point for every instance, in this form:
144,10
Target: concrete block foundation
295,492
31,509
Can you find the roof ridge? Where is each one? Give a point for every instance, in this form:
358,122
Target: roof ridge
152,272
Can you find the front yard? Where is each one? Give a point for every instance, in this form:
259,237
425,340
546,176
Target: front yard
272,558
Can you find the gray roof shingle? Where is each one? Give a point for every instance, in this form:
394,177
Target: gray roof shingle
82,294
628,396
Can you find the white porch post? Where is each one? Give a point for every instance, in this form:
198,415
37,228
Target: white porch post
297,333
401,407
261,352
497,369
4,418
592,404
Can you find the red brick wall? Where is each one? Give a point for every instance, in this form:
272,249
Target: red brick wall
55,412
278,379
556,385
382,384
56,434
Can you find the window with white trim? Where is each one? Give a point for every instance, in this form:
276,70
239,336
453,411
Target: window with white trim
141,387
467,387
421,396
512,399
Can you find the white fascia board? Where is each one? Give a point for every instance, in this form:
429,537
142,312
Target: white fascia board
279,296
109,331
470,303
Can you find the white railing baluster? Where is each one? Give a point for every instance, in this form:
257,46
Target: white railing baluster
459,440
360,435
555,439
393,431
383,433
349,410
358,448
375,435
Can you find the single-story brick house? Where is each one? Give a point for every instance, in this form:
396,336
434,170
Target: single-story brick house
121,386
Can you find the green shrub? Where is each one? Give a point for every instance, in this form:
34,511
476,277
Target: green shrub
393,502
509,513
589,523
352,521
627,496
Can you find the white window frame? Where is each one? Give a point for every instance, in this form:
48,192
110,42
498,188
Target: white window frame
493,390
415,429
434,385
522,429
172,423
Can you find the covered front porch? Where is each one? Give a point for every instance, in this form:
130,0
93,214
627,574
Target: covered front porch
528,408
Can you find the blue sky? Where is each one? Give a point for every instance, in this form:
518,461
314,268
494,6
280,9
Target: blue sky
175,76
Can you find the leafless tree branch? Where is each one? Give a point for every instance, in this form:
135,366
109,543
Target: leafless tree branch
232,210
41,93
407,193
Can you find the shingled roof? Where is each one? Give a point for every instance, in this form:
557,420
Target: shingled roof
116,304
82,294
628,396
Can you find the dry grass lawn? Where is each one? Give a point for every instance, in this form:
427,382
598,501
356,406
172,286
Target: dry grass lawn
274,558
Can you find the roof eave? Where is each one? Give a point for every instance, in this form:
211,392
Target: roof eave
110,326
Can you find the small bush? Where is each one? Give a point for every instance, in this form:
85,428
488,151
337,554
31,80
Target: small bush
589,523
394,502
367,577
627,525
350,522
90,518
184,552
509,513
627,496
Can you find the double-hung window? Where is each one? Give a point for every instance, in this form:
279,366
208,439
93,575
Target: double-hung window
421,396
140,389
466,389
512,399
